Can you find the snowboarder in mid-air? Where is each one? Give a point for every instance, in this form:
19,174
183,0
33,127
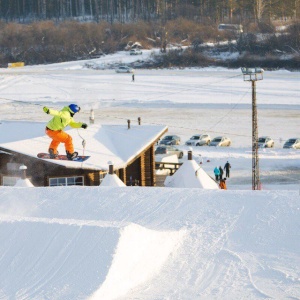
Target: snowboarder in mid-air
56,125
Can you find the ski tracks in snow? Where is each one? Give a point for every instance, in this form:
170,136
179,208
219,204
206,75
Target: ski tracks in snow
70,222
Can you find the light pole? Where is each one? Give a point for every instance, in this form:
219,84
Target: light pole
253,75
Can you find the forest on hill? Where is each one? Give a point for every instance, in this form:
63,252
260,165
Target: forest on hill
44,31
125,11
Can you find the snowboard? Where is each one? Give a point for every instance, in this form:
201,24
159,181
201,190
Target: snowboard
79,158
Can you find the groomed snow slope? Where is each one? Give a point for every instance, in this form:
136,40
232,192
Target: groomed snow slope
148,243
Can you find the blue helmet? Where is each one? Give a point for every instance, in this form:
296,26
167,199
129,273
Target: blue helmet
74,108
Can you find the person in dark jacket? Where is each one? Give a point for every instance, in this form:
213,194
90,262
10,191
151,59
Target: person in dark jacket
227,168
221,173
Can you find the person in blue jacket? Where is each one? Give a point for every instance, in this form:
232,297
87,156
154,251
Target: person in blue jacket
217,173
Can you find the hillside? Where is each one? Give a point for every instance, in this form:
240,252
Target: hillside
148,243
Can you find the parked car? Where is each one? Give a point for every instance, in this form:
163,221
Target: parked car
136,52
124,69
169,150
220,141
265,142
236,28
292,143
170,140
198,140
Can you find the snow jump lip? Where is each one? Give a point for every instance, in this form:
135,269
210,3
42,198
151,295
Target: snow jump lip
79,256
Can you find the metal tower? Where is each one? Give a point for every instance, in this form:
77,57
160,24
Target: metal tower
253,75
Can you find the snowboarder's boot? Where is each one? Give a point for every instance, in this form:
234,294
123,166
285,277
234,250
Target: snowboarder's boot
52,154
71,156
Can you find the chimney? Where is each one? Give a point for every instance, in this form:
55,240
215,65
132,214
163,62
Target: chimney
128,121
23,169
92,117
190,155
139,120
110,168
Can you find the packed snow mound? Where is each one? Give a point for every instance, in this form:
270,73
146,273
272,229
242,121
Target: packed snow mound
112,180
43,259
191,175
23,183
148,243
139,256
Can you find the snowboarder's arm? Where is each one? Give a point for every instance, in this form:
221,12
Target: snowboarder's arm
52,112
77,124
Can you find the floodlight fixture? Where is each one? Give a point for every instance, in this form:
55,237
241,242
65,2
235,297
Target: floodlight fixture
252,74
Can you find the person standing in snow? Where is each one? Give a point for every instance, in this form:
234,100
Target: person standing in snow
132,77
217,173
227,168
55,127
221,172
222,184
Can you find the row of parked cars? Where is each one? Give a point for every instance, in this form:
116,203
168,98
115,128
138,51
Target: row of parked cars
197,140
223,141
267,142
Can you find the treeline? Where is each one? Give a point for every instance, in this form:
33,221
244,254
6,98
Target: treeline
48,42
271,52
124,11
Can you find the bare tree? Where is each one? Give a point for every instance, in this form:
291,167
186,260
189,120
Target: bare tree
259,9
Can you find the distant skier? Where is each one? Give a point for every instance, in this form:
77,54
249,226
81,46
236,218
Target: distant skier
55,126
132,77
221,172
217,173
227,168
222,184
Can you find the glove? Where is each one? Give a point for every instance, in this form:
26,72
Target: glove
46,109
84,126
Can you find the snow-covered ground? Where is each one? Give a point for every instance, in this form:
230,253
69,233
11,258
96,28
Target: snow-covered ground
148,243
156,243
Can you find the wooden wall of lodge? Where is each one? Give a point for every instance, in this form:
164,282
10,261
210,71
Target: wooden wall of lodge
141,170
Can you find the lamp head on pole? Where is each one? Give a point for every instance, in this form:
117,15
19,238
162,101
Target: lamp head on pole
252,74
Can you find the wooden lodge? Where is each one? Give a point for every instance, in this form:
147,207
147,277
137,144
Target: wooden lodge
130,149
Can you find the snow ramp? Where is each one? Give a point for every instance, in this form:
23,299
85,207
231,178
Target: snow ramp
148,243
42,257
139,256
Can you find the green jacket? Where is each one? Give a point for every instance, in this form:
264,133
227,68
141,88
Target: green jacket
62,119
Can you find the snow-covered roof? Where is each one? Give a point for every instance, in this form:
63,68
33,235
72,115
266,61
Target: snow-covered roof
104,143
191,175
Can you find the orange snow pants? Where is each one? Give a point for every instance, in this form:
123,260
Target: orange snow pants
59,136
